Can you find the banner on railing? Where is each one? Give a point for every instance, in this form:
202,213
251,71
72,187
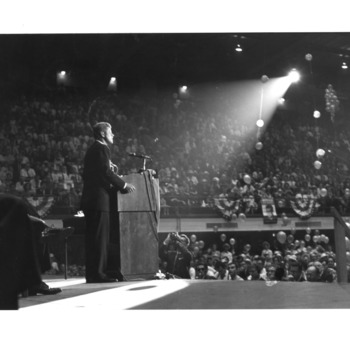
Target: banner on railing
226,207
269,210
303,205
42,204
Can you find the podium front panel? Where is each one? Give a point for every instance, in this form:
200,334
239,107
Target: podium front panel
138,244
138,223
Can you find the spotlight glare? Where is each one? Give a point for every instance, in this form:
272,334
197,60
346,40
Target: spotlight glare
294,75
112,84
317,114
62,78
238,48
62,74
260,123
344,66
183,88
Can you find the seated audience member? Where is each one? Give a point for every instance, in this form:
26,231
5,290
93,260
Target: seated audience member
312,274
266,253
329,275
226,253
260,263
212,273
254,273
243,270
232,271
331,262
220,267
304,260
271,273
280,273
201,271
320,268
296,273
215,251
246,250
19,264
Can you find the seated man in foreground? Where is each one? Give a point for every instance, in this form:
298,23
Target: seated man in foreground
20,267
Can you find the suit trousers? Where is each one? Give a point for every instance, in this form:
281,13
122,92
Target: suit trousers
96,243
19,266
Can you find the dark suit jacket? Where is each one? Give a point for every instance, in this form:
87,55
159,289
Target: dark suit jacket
100,182
19,266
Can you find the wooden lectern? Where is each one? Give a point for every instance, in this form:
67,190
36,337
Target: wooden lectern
137,225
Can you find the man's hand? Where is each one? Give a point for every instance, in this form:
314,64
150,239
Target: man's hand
167,240
129,188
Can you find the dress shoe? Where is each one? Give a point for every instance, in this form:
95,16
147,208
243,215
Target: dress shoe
43,289
101,280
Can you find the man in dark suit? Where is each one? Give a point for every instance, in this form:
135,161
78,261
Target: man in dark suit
20,268
100,183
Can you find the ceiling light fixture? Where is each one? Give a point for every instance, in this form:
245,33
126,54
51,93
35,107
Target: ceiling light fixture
294,75
183,89
238,48
344,65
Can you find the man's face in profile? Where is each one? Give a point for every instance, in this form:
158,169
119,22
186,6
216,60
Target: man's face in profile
108,135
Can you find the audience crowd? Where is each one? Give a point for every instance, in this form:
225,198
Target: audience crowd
311,260
205,154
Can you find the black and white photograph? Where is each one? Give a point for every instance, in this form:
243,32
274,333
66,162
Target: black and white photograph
175,172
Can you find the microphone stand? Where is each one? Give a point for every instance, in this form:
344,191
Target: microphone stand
141,170
144,157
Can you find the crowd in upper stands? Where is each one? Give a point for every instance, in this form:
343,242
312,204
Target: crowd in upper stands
201,151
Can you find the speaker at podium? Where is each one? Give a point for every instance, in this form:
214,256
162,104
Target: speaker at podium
134,229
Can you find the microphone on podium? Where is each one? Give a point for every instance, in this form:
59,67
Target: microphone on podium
133,154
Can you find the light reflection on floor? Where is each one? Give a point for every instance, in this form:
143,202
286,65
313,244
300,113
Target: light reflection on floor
54,283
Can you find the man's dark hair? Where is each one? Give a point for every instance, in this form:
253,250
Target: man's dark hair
199,265
296,264
279,273
220,264
261,258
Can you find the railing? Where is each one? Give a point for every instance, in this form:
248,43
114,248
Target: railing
68,204
194,211
341,232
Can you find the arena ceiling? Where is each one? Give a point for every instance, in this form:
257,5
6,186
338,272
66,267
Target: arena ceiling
172,59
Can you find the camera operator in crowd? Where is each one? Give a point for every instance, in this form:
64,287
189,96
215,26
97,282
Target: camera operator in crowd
174,251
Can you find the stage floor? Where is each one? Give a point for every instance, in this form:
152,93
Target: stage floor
177,294
200,314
